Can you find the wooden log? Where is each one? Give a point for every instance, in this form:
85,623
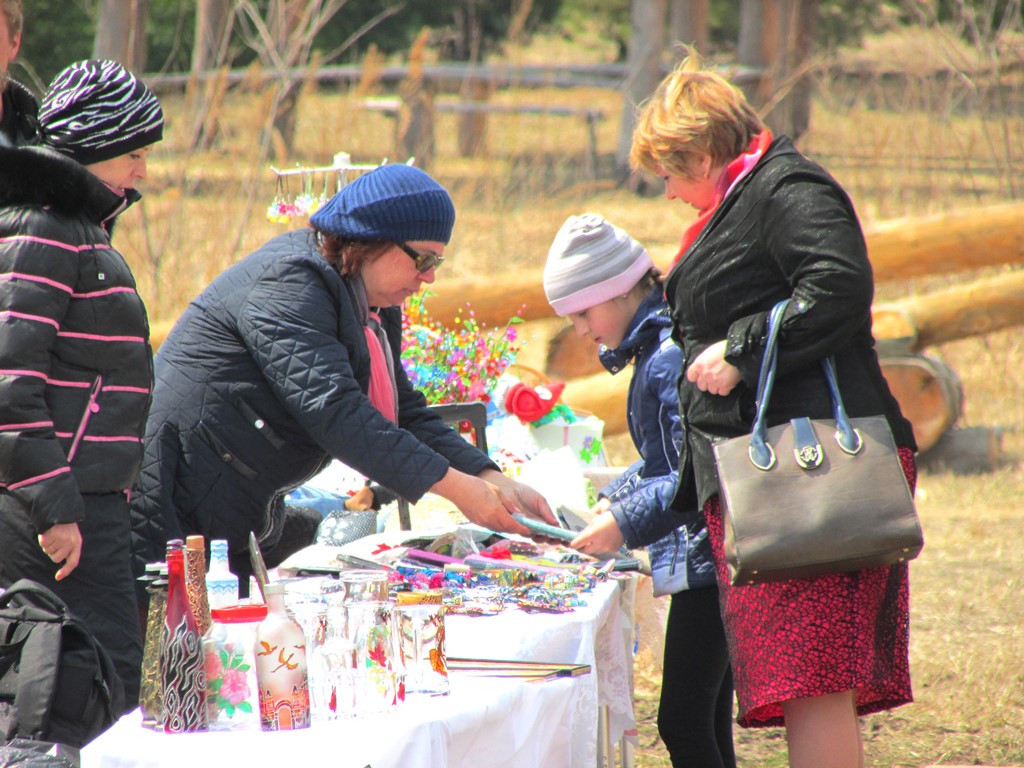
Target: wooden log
950,242
903,327
603,395
983,306
898,250
971,450
929,393
571,356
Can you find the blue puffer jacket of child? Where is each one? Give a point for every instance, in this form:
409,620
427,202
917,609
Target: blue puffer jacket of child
677,544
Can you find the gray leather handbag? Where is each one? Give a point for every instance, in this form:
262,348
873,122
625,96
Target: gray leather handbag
812,496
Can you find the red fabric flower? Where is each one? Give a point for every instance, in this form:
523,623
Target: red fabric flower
532,403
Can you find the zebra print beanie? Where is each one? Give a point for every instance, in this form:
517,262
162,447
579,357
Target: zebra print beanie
98,110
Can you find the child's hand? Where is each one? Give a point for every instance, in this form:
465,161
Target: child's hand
602,506
601,537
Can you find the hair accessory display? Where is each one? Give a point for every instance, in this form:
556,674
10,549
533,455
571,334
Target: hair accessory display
314,186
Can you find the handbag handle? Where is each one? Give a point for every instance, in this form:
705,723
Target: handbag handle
761,453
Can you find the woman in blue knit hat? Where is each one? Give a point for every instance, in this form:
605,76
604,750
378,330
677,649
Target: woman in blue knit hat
290,359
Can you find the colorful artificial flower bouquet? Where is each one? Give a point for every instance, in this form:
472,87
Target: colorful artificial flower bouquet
458,364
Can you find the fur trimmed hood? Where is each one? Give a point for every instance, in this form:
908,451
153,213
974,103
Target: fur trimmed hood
41,176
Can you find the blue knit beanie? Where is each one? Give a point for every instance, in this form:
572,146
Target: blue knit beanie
393,202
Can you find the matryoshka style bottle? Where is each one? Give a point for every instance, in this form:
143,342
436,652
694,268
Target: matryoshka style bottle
281,667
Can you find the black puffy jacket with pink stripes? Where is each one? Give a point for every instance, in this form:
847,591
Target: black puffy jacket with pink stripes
76,365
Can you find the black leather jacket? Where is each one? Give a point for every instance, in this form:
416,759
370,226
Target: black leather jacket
786,230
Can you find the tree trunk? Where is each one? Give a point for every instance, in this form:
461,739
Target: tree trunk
688,24
473,125
643,72
121,33
211,28
798,102
776,40
750,50
283,25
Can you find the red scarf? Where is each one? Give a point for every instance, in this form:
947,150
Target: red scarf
731,174
382,391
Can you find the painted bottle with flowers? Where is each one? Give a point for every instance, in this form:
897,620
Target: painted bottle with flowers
281,673
231,688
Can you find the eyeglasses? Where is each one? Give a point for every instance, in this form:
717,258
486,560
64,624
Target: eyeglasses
424,261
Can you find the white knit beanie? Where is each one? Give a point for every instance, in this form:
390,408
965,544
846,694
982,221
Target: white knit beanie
591,261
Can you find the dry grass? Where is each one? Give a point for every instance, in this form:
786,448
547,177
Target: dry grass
895,161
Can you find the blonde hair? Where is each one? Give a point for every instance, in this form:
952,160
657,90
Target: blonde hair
12,12
694,113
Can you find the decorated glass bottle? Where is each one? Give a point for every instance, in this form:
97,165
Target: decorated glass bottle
182,674
221,583
195,581
281,667
151,700
231,690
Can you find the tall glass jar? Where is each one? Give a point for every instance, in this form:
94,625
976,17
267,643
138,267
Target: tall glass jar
281,667
183,679
231,689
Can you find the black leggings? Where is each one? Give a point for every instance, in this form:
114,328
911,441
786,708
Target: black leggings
695,712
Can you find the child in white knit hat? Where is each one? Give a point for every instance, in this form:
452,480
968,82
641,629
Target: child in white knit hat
605,282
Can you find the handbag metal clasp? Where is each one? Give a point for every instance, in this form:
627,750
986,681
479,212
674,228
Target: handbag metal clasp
806,447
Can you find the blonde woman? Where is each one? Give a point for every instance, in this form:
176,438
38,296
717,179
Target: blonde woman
810,654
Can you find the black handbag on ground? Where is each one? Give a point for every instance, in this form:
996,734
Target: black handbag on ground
812,496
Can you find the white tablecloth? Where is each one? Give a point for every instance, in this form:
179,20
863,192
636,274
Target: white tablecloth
484,723
594,634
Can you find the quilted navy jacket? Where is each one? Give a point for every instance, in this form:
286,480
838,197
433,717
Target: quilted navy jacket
641,497
260,383
75,361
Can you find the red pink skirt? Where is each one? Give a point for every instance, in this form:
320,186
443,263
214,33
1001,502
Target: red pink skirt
810,637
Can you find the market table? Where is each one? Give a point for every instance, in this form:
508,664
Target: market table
485,722
598,634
